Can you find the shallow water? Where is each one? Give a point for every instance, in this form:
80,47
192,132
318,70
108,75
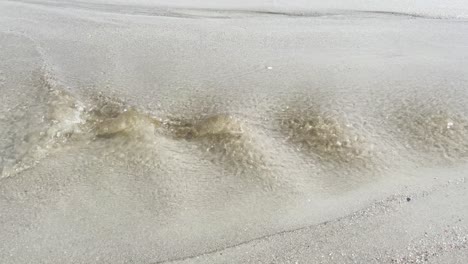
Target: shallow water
128,137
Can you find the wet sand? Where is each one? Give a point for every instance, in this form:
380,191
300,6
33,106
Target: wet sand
236,133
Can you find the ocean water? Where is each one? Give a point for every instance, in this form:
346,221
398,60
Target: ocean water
144,133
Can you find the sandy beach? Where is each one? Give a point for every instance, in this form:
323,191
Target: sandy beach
233,131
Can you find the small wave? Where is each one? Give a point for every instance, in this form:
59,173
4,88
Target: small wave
433,131
223,137
109,118
65,121
61,120
42,129
125,131
324,136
